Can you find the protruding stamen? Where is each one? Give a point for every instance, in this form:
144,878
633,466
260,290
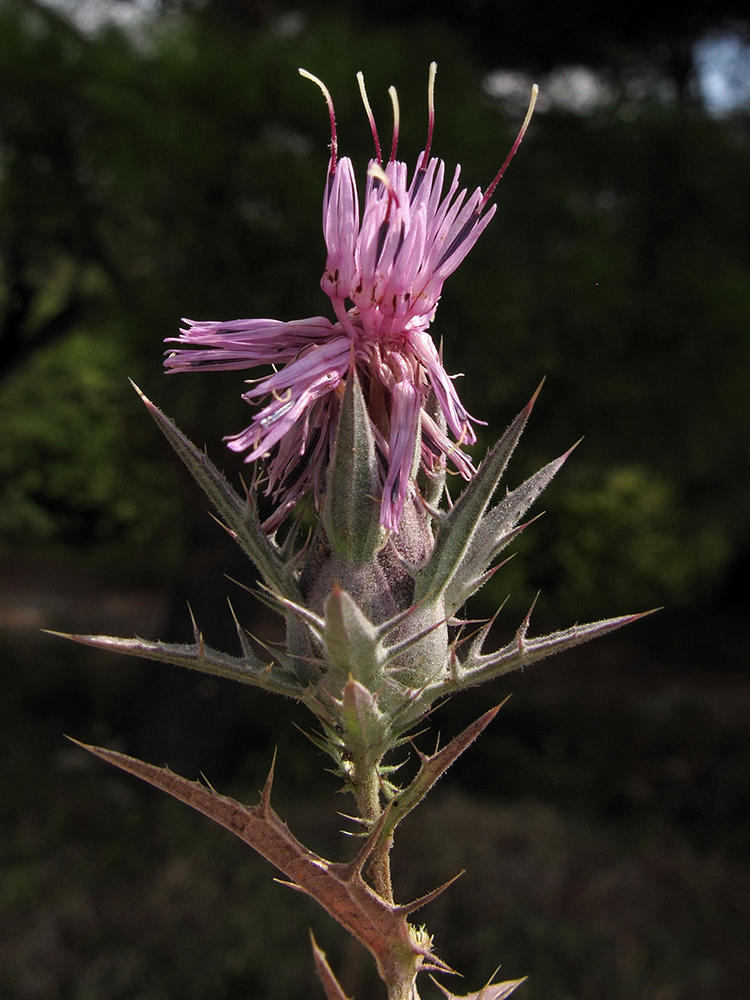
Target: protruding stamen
396,120
425,157
370,115
430,112
473,219
329,102
530,111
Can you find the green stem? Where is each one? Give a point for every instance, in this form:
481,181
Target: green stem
367,792
406,990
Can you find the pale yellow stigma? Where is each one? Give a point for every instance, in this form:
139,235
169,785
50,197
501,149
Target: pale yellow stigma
316,80
430,114
370,115
530,109
396,120
365,99
431,88
331,112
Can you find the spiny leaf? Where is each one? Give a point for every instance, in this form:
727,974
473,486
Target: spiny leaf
399,648
375,922
240,516
456,529
469,579
314,622
354,868
521,651
495,531
242,635
198,656
431,769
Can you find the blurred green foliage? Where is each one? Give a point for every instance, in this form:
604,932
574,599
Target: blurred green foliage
178,170
79,469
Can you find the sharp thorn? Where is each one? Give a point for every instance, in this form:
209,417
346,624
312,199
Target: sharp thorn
353,869
196,631
208,783
524,626
331,985
353,819
417,904
436,964
265,798
292,885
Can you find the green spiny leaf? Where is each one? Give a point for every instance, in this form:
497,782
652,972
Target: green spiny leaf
431,769
239,516
198,656
456,530
522,651
494,531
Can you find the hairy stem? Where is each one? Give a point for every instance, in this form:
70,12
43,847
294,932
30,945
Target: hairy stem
367,792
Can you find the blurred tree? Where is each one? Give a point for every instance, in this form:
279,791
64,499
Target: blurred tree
48,245
536,36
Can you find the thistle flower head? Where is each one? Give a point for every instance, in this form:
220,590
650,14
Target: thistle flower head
384,273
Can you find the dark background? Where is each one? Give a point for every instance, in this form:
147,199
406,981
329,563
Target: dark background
171,164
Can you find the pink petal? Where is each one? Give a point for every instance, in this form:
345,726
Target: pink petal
406,405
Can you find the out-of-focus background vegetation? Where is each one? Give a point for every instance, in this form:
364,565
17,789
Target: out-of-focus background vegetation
164,160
